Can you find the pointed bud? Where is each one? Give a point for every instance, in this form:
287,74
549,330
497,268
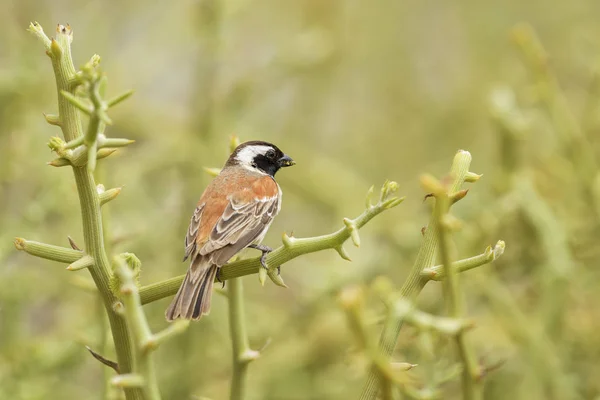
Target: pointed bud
103,153
472,177
353,230
288,241
262,275
84,262
59,162
109,195
73,244
55,50
454,197
342,252
276,277
52,119
114,142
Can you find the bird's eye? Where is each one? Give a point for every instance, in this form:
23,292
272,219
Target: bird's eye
270,154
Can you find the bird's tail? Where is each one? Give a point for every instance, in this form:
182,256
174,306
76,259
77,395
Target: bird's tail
192,300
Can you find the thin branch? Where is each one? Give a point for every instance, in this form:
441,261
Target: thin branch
48,251
490,254
292,248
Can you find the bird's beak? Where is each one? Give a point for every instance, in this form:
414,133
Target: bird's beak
286,161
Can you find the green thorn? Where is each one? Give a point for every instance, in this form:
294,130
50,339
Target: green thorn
353,230
115,142
472,177
73,143
76,101
262,275
109,195
120,98
52,119
342,252
288,242
84,262
276,277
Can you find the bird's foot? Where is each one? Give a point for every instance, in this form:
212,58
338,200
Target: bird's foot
265,251
219,278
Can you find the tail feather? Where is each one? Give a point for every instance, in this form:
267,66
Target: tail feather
192,300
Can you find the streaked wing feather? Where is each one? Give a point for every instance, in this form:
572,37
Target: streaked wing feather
240,225
190,237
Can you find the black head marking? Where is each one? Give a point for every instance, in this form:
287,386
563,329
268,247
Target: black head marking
264,156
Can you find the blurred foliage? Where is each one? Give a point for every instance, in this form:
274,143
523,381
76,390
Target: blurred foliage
355,93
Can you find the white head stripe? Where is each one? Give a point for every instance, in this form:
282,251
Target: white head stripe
247,154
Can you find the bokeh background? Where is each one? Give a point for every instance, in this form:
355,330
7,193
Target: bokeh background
356,92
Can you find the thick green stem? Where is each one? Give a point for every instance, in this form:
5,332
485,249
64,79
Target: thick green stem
59,50
415,282
471,374
141,335
242,354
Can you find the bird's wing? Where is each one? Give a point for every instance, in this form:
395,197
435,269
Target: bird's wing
192,232
244,220
226,220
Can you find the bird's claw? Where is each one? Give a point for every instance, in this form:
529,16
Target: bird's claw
265,251
219,278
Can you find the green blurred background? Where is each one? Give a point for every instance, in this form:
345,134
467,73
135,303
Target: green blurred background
356,92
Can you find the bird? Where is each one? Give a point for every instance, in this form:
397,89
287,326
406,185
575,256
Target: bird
234,212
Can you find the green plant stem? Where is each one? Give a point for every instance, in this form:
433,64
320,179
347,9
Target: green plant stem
490,254
471,374
48,251
292,248
59,51
141,335
242,354
415,282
